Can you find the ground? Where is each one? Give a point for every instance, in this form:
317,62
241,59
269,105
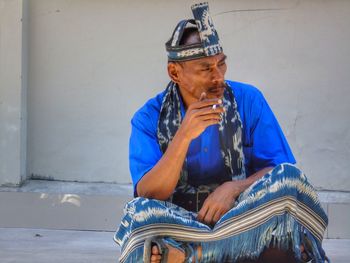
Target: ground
57,246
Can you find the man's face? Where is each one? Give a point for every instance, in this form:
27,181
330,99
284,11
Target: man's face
202,75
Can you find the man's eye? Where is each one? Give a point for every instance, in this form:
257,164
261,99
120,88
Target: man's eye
205,69
222,64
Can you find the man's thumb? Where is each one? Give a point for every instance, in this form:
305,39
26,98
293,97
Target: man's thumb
203,96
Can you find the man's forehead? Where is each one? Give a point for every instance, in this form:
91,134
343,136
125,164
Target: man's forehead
208,60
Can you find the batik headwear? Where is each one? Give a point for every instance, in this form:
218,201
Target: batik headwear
209,44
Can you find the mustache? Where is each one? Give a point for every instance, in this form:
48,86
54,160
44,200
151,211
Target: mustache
219,86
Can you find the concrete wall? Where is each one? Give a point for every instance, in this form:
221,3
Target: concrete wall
299,56
12,93
93,63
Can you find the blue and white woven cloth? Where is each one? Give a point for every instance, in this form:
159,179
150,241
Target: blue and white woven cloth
281,207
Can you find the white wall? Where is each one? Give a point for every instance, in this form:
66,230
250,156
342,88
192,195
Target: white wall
300,58
93,63
12,94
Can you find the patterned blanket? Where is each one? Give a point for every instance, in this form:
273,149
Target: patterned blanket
281,207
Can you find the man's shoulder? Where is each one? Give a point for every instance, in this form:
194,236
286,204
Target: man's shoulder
150,110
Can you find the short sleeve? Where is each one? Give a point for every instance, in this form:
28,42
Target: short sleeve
144,151
269,146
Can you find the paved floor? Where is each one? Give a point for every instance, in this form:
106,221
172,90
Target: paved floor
52,246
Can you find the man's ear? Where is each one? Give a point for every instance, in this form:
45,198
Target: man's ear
174,71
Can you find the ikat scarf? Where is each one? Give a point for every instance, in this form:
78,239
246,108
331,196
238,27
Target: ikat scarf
230,132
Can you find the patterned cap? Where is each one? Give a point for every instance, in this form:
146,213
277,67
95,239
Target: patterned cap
209,44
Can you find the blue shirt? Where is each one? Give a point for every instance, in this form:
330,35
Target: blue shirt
263,141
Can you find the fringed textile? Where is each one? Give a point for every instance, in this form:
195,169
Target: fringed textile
281,207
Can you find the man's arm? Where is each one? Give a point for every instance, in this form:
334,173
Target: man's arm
244,184
223,198
161,180
270,146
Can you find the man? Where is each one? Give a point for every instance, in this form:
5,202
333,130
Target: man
211,168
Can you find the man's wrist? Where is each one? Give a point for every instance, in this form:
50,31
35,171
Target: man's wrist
183,136
242,185
239,186
235,188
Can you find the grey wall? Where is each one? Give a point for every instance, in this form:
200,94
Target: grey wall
299,57
93,63
12,93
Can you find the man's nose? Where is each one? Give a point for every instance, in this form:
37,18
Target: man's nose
217,75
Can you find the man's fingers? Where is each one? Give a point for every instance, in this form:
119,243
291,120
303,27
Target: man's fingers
208,219
217,216
209,110
202,212
206,213
213,116
205,103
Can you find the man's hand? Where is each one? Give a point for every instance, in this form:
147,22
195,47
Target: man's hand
224,197
200,115
219,202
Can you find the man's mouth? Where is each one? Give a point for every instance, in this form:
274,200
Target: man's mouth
218,90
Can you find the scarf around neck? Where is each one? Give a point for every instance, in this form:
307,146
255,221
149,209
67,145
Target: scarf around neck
230,132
